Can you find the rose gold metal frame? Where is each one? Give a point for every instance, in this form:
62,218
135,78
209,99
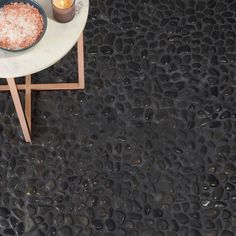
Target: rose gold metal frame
25,118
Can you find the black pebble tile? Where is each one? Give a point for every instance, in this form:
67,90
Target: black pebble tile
148,148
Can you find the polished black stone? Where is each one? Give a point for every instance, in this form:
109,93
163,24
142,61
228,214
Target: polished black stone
148,148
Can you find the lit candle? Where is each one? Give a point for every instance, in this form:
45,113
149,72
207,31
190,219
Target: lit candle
63,10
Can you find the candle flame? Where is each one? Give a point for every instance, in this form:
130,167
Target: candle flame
62,3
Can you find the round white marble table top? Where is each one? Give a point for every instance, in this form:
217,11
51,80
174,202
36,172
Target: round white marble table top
58,39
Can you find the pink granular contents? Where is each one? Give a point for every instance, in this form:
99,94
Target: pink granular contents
20,25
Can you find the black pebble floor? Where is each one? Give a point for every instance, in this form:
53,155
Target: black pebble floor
149,147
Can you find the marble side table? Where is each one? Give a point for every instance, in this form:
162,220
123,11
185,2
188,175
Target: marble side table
56,43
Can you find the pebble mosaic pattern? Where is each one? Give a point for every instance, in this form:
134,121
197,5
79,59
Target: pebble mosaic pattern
148,149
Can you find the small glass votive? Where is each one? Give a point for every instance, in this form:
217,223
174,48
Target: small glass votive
63,10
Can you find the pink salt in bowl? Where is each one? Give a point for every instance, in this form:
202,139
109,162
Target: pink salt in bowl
25,34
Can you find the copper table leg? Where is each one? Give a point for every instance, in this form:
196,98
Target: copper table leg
19,110
80,60
28,100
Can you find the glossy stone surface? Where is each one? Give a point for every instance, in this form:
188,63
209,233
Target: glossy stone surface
148,148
